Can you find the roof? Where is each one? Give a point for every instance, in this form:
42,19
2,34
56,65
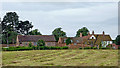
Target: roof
103,38
73,39
35,38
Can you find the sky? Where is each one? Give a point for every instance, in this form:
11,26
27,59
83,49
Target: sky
70,16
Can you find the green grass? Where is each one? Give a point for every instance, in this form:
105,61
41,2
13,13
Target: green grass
60,58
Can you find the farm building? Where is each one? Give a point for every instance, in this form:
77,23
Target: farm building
24,40
89,40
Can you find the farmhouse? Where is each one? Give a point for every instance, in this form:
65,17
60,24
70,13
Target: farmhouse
89,40
24,40
98,39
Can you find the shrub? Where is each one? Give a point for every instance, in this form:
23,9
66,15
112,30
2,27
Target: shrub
17,48
40,43
30,44
87,47
68,41
80,48
94,47
104,48
65,47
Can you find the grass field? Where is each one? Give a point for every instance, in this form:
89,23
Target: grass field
60,58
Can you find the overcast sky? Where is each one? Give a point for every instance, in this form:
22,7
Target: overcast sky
70,16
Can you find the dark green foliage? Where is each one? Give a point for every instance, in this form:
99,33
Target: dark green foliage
117,40
68,41
35,32
24,27
87,47
83,30
17,48
33,47
30,44
65,47
80,48
40,43
21,48
58,33
94,48
11,27
104,48
118,47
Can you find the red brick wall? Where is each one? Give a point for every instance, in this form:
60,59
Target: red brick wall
72,46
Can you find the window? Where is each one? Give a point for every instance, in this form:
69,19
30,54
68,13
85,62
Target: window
25,43
75,44
71,41
35,43
64,40
77,41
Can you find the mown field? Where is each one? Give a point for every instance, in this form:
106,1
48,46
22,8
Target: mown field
60,58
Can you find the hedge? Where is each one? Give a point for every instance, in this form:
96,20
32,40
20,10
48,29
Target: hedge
94,48
21,48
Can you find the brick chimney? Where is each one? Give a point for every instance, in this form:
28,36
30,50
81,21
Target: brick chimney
103,33
93,32
80,34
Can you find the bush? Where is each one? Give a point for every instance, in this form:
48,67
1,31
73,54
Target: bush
65,47
21,48
94,47
104,48
17,48
87,47
30,44
118,47
40,43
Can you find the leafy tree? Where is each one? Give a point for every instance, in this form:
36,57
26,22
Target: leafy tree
11,19
9,26
24,27
58,33
84,32
40,43
12,37
35,32
117,40
68,41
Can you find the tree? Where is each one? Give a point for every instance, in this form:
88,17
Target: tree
24,27
35,32
9,27
84,32
117,40
68,41
58,33
11,19
40,43
12,37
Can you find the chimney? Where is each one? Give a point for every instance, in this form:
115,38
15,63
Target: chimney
80,34
93,32
103,33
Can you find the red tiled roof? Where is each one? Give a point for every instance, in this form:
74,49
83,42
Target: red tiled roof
35,38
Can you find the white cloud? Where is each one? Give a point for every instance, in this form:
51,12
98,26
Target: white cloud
95,16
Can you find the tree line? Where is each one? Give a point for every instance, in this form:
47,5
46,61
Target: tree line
13,26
